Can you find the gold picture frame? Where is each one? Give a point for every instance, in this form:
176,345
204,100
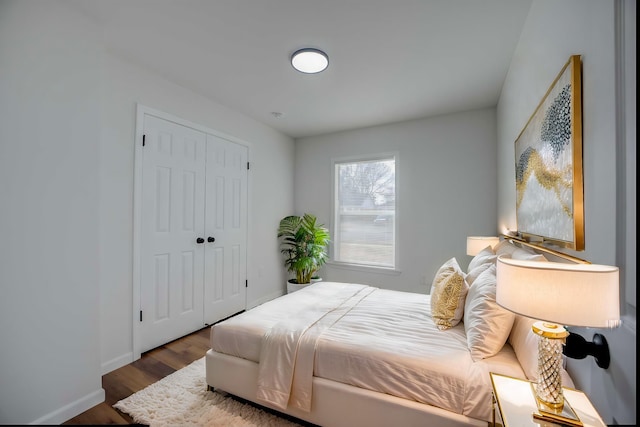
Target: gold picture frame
548,154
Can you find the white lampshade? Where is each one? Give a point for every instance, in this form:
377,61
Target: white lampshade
477,243
584,295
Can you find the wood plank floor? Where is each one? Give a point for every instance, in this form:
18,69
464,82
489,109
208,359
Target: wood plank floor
151,367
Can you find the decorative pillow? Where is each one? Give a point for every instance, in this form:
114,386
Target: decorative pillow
483,257
448,292
486,324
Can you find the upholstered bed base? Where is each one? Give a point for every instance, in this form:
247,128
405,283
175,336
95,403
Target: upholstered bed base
333,404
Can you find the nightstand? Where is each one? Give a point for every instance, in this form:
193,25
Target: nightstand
514,404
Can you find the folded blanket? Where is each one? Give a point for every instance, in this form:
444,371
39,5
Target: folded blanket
287,354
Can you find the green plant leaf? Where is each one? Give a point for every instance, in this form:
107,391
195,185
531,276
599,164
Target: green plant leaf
303,242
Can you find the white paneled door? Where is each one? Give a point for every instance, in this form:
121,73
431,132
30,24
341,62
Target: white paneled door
192,232
226,229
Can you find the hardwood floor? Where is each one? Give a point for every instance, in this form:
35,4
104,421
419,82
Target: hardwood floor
151,367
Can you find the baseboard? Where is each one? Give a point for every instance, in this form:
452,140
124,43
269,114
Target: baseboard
69,411
116,363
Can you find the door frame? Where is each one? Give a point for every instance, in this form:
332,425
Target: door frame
141,111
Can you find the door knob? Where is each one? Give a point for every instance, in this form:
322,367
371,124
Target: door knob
199,240
211,239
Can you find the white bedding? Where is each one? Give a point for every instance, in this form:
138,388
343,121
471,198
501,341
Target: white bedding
338,331
288,348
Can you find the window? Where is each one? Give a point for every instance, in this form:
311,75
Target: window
365,212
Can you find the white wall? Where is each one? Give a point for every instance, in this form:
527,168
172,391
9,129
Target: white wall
49,220
270,189
67,125
554,31
446,189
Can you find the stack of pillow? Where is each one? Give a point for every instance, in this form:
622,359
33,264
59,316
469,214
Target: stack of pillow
470,297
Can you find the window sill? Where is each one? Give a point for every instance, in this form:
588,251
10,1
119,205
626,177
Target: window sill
364,268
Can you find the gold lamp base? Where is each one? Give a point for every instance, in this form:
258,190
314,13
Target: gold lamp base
564,415
548,388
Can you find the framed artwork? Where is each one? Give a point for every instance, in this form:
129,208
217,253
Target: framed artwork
549,185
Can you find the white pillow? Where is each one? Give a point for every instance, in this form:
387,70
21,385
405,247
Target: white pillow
525,345
486,324
507,248
487,255
504,247
473,274
448,293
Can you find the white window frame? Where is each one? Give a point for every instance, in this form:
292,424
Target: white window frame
334,215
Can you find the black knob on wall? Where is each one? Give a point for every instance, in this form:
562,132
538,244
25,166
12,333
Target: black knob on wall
211,239
199,240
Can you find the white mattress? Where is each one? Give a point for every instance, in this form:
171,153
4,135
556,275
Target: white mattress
387,342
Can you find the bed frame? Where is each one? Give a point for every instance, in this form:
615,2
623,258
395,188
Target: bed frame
333,404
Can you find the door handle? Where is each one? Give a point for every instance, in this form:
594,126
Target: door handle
211,239
199,240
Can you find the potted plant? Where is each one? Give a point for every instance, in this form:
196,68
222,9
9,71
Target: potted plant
304,245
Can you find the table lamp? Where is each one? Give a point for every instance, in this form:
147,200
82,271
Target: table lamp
558,295
477,243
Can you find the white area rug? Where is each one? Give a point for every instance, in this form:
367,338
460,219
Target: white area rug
182,399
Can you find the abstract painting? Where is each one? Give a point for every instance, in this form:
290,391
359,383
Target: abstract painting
549,184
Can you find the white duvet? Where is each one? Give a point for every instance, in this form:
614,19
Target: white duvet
372,338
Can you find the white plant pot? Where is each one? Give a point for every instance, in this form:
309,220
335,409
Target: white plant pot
292,287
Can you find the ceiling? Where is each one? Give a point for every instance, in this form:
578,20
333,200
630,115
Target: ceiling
389,60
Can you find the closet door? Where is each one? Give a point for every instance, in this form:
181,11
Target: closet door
226,229
172,210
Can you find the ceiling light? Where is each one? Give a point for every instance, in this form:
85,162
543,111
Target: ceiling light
309,60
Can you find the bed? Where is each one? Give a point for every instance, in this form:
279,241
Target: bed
348,354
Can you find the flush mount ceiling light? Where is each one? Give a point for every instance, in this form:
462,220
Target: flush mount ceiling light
309,60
